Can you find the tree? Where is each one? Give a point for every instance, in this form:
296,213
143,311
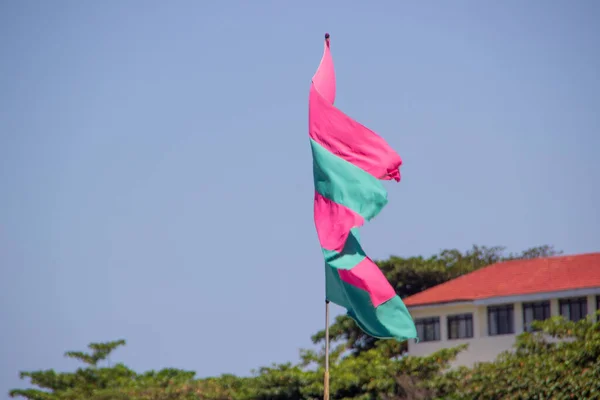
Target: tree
93,382
371,375
80,383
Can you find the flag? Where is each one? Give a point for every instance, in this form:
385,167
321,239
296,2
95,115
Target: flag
349,160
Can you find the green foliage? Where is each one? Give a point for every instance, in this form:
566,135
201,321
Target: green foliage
100,351
372,375
560,361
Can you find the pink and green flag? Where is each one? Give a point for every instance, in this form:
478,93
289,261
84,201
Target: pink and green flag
349,160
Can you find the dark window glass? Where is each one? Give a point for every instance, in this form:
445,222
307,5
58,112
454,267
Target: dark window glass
460,326
428,329
501,320
537,311
573,309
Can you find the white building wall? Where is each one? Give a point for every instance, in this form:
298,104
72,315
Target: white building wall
482,347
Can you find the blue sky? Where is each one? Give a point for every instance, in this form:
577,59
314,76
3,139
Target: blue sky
155,170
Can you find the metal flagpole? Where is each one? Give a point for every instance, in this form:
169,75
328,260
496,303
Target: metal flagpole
326,378
326,383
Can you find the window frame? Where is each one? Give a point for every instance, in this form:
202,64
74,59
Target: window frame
426,321
570,301
510,309
457,318
545,304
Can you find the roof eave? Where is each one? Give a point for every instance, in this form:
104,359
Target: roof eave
440,304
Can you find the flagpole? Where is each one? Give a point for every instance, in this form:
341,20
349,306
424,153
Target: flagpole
326,377
326,383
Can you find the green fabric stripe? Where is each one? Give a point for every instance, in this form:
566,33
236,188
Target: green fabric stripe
391,320
344,183
350,256
334,288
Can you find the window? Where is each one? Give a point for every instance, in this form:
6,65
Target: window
538,311
501,320
460,326
428,329
573,309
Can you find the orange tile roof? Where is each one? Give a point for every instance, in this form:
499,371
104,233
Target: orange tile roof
517,277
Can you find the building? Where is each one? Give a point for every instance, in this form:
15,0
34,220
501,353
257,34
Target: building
487,308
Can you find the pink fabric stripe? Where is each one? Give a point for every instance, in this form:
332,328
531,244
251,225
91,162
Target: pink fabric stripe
367,276
333,222
343,136
324,78
350,140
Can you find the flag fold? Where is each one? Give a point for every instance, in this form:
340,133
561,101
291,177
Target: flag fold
349,162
